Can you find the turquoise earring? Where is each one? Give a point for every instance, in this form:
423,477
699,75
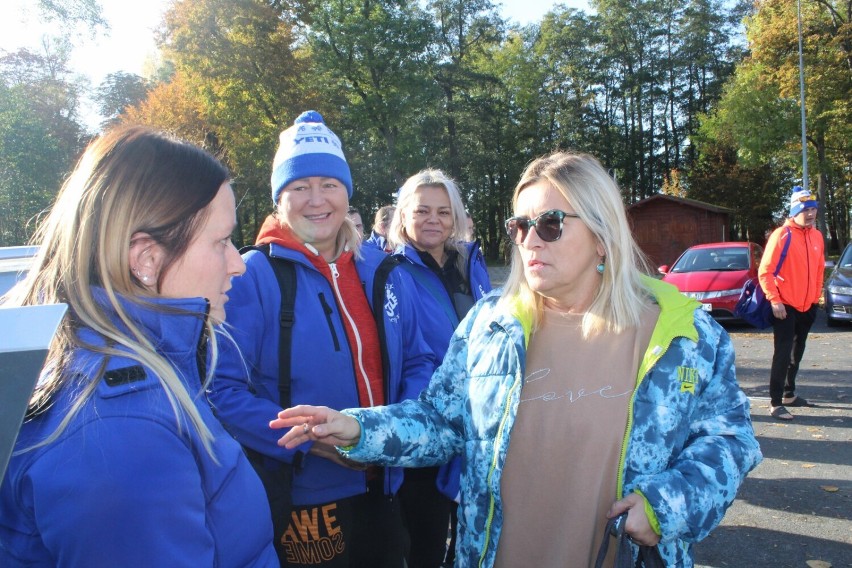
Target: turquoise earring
601,267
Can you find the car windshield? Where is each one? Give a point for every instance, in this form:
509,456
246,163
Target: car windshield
707,259
846,260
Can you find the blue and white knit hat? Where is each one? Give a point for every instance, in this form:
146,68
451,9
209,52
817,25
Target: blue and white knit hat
800,200
308,148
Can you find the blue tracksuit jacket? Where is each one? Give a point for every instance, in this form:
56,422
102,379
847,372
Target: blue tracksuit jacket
126,484
438,322
245,391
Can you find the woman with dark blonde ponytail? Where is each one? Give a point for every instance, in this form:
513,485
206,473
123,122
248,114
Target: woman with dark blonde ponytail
120,461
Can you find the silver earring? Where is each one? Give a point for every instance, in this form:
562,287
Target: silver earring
601,266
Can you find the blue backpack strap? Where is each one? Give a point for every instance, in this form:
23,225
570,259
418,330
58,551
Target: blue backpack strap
285,273
277,476
783,253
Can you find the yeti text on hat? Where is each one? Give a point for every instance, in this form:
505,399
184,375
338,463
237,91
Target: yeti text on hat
307,149
800,200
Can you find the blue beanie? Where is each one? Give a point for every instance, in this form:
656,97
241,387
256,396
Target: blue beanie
800,200
306,149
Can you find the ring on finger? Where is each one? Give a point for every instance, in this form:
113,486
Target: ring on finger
305,427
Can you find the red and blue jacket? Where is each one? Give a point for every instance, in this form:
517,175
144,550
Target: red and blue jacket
245,395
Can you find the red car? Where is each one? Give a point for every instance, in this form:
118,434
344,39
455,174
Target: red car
714,274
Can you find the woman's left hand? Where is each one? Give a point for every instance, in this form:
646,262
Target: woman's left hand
637,526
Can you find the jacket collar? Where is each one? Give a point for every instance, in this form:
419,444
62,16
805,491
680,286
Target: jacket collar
173,325
676,313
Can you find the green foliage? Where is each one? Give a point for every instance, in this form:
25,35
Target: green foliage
74,14
39,137
664,92
117,92
371,67
759,113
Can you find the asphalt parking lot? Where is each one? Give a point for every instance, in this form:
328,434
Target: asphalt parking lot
795,508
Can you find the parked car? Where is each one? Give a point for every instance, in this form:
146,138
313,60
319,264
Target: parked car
838,290
14,263
714,274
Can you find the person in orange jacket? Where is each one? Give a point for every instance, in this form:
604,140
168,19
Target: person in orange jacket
794,294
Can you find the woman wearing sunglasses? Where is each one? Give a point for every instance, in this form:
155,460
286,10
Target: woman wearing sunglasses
618,394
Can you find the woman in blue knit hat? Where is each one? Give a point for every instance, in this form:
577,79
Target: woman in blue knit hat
355,341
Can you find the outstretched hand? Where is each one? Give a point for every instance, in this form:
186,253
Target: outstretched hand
637,526
318,424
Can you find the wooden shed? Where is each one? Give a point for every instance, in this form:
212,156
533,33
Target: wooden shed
664,226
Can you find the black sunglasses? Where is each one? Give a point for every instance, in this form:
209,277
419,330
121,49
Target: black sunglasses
548,226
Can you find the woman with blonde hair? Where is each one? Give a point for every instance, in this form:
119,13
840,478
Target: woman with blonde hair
120,460
618,394
354,341
428,234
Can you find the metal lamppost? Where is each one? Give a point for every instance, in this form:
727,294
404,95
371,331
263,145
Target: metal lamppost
802,99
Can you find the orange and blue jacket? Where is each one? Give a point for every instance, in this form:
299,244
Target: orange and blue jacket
799,282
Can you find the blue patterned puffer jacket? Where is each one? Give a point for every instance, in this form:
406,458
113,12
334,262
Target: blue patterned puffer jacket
689,442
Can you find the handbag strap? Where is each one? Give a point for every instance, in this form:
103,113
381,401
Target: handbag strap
649,556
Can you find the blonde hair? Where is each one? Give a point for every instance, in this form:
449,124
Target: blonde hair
397,235
595,197
129,180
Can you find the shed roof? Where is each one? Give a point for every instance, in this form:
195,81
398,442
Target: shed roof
683,201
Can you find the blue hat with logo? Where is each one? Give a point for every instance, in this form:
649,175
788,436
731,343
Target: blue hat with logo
801,199
308,148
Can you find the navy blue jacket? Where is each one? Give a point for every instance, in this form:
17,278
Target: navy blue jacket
245,391
438,322
126,484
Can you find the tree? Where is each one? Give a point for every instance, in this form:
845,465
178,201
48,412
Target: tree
761,108
719,176
39,136
374,60
241,80
73,14
464,31
117,92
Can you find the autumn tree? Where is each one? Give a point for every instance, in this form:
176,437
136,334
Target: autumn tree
117,92
241,79
761,106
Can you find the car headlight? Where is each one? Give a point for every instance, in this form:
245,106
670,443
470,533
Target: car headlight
713,294
845,290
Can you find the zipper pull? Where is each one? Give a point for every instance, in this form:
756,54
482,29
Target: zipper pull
334,271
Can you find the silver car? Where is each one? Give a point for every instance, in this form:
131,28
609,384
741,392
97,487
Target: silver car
14,263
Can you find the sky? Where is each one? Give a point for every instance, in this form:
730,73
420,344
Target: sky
130,40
